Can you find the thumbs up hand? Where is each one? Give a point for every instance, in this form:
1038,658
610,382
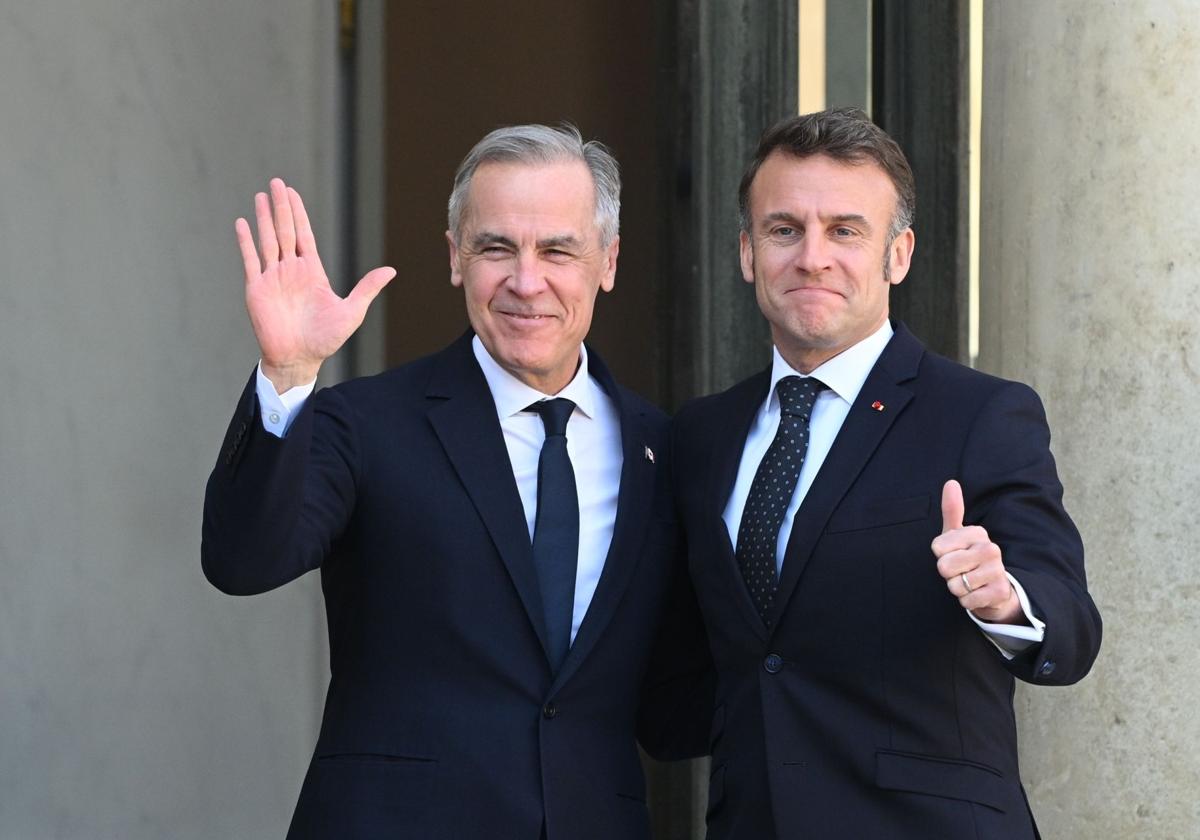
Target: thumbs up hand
972,565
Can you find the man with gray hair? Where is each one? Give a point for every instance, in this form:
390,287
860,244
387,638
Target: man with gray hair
492,523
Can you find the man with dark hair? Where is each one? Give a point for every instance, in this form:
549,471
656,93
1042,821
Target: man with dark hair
492,523
866,637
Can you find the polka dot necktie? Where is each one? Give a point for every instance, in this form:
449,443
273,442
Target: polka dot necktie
772,489
556,527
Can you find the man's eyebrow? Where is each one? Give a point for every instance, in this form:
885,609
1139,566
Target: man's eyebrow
781,216
853,218
484,237
837,218
566,240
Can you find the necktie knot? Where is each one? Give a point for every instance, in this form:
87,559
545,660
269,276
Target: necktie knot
555,413
797,394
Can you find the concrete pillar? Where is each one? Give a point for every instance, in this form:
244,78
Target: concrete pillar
736,71
1089,277
135,700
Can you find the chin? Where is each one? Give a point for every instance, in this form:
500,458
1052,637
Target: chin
811,333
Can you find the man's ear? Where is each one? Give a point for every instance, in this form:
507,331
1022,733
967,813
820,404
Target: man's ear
746,253
900,256
455,273
610,265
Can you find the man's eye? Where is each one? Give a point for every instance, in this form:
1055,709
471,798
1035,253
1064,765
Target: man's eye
843,231
785,231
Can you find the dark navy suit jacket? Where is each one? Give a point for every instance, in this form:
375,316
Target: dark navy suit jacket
443,717
871,706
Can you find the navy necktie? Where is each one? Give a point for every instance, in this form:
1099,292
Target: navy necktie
556,528
772,489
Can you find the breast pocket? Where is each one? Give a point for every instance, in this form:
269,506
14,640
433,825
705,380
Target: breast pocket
880,513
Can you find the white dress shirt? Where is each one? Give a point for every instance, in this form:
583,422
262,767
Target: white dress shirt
593,443
844,375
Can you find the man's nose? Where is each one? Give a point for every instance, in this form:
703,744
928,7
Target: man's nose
526,279
813,254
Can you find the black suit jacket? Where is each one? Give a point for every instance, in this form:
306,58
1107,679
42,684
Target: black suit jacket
871,706
443,718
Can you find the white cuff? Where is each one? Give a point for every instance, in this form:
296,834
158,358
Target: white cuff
1011,639
279,409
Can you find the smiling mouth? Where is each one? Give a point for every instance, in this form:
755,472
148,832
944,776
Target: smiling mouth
528,317
813,290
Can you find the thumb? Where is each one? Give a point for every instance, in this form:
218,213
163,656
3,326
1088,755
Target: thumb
370,286
952,506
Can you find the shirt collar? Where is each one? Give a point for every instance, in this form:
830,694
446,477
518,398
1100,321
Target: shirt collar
512,396
845,373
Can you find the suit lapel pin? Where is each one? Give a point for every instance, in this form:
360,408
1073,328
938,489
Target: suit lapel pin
649,454
877,405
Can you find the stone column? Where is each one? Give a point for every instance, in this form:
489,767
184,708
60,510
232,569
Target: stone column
1089,292
136,701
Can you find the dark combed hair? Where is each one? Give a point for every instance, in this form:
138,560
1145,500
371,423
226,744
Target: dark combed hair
843,134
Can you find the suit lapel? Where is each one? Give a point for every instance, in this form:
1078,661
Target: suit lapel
730,427
463,416
860,435
634,504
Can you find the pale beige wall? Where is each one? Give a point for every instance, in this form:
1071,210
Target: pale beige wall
135,700
1090,281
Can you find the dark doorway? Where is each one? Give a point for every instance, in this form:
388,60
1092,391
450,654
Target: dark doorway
456,72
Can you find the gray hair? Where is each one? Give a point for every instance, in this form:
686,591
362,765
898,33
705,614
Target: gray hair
541,144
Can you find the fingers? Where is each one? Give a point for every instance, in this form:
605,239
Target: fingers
959,539
981,556
370,286
974,573
306,243
285,226
266,230
971,564
277,219
245,241
986,590
952,506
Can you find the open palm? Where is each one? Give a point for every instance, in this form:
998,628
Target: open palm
298,319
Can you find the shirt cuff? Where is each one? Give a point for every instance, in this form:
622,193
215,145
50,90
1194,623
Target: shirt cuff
1012,639
279,409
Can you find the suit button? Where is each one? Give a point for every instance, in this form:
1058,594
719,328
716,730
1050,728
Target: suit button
549,711
1047,668
773,663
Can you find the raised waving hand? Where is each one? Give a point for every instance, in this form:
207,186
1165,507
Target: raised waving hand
298,319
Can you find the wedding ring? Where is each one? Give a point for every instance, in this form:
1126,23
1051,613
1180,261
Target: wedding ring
966,583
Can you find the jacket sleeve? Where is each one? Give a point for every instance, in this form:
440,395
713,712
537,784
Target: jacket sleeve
1012,489
273,506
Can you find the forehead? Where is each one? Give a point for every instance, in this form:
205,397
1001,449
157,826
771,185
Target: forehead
789,184
556,194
